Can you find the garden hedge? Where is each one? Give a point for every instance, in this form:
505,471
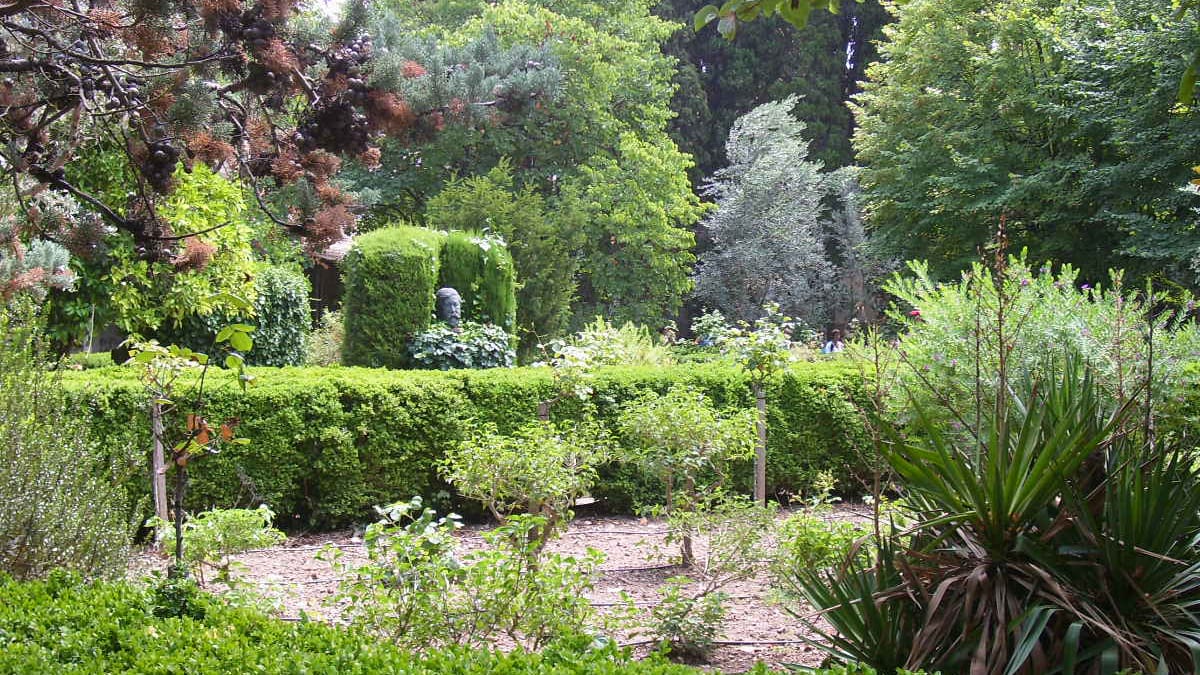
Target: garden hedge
481,270
281,317
328,443
391,276
63,626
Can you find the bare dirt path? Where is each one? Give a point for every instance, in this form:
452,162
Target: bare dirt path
756,627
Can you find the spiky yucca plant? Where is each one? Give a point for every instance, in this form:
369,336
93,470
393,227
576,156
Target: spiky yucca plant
1053,532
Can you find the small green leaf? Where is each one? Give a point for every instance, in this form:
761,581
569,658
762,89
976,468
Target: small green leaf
234,361
1187,83
241,342
243,328
231,299
705,15
224,333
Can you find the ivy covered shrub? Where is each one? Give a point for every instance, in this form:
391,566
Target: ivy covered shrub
480,268
475,346
281,317
63,625
391,277
327,444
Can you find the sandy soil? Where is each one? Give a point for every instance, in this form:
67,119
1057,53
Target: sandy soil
756,627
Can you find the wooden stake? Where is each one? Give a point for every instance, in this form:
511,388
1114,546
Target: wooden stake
158,465
760,450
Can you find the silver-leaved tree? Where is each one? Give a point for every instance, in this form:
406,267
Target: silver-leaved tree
784,231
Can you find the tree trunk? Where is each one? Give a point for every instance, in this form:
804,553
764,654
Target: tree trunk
687,556
760,449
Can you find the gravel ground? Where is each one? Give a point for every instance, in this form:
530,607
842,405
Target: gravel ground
756,627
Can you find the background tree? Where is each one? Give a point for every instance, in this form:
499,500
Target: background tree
605,126
719,80
1059,118
773,231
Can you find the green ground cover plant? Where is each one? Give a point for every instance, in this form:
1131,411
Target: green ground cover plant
64,625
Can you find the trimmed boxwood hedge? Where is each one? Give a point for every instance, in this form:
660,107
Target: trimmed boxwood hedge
328,443
64,626
481,270
391,275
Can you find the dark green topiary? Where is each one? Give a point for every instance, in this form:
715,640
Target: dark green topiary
281,317
391,276
480,268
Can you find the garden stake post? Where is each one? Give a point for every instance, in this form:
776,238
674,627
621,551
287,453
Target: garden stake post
158,468
761,350
760,447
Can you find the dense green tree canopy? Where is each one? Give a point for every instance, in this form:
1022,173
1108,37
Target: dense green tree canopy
719,80
1058,118
614,184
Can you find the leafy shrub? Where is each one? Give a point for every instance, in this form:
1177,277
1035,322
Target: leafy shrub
327,443
479,267
282,317
212,537
810,540
512,589
324,347
689,444
281,320
391,277
64,499
540,469
474,346
600,343
687,625
65,626
711,328
944,335
688,619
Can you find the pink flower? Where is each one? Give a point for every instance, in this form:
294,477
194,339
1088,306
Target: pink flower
915,313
